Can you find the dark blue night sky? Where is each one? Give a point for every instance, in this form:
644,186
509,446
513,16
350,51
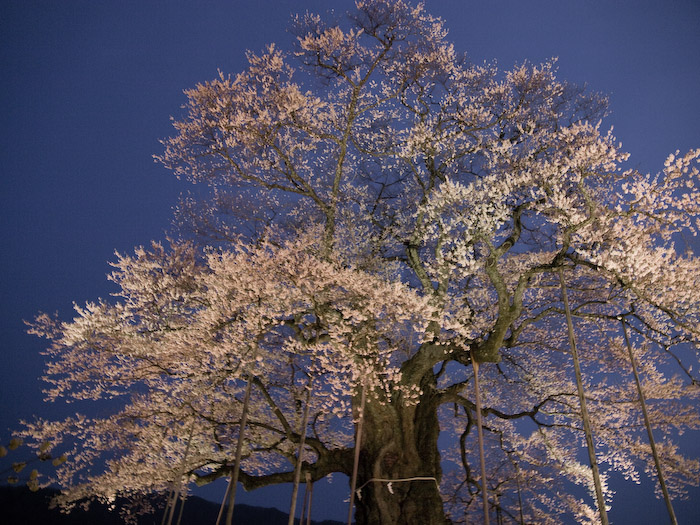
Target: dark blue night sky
88,87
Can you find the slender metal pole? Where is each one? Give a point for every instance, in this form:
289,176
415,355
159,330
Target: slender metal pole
584,410
647,423
239,452
356,460
480,433
300,457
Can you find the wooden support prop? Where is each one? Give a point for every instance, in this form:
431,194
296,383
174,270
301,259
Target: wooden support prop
168,501
358,444
170,509
308,495
600,499
300,457
480,433
647,423
182,509
239,452
223,503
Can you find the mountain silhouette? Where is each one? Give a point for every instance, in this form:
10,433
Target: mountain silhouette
20,506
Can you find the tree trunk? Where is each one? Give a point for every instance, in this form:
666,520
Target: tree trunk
399,468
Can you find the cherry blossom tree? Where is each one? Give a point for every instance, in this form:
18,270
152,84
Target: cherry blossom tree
385,219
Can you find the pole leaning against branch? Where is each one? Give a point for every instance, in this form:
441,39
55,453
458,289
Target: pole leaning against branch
170,508
480,433
168,501
308,496
358,443
239,451
300,457
223,503
647,423
182,509
584,410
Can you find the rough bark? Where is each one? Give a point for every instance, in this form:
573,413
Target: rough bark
401,443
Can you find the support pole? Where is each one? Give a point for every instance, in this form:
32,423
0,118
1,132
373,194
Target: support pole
223,503
176,494
239,452
647,423
168,502
300,457
356,460
182,509
311,498
172,506
520,498
517,483
480,433
584,410
308,493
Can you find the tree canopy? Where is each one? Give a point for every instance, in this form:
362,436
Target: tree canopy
383,215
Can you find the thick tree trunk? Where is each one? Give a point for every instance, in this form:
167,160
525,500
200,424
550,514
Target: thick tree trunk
400,453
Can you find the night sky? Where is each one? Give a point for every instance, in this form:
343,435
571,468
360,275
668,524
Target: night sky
87,89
